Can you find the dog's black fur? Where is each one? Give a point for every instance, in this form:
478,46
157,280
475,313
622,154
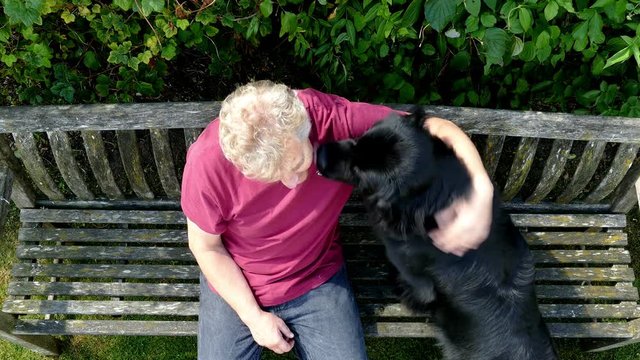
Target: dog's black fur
484,303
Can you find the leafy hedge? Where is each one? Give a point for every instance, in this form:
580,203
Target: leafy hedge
567,55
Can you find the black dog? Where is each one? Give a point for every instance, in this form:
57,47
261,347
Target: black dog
483,303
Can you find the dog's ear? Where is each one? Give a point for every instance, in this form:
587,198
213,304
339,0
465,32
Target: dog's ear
417,116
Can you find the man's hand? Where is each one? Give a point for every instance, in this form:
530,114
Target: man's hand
270,331
466,223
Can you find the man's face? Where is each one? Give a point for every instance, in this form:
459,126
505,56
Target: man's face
298,158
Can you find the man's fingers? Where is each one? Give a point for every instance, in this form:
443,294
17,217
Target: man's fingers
284,329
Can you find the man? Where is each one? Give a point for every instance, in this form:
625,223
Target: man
262,224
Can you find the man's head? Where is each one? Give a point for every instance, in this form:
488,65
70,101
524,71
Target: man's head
264,131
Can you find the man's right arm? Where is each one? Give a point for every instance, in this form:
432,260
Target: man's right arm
226,277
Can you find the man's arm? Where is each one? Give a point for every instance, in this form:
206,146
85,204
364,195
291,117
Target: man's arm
466,223
226,277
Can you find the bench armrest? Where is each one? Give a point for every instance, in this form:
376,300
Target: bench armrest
6,180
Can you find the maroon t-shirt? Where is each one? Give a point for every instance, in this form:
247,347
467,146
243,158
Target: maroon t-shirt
284,240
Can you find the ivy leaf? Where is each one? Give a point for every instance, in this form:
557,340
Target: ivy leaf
90,60
595,29
169,52
551,10
149,6
618,57
9,59
266,8
473,7
64,90
26,12
439,13
495,43
123,4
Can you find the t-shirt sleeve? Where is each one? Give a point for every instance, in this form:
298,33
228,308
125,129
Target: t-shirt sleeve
337,118
198,201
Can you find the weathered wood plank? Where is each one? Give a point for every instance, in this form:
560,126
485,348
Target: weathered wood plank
528,220
623,198
191,135
606,256
20,288
67,165
621,163
94,147
552,171
107,327
6,181
88,307
199,114
45,345
23,194
586,168
492,152
103,216
558,311
132,162
102,271
104,253
622,291
520,167
163,236
27,152
164,162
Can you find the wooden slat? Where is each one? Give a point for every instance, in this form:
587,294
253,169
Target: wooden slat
621,163
586,168
98,160
529,220
92,271
622,291
130,155
492,152
552,171
607,256
28,153
575,238
623,198
164,162
520,167
622,310
104,253
107,327
191,135
23,194
199,114
163,236
6,180
67,165
88,307
19,288
103,216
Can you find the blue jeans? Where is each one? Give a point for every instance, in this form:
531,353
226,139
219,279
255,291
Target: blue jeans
325,321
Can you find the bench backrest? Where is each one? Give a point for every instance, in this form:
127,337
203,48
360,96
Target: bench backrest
132,155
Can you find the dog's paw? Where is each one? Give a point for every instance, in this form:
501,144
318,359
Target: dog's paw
418,299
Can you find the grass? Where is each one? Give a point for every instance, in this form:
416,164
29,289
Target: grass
183,348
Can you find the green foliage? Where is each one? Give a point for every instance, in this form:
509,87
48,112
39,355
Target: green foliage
565,55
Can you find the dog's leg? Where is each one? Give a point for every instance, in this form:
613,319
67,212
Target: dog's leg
418,294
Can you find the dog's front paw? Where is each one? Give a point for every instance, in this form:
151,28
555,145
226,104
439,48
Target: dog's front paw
418,298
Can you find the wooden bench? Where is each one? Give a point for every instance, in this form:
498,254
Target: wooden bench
103,248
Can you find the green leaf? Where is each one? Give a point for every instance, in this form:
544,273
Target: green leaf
518,46
595,29
149,6
351,33
542,40
393,81
636,53
488,20
473,6
359,21
526,20
439,13
491,4
64,90
597,65
26,12
407,93
123,4
495,44
567,5
602,3
9,59
168,52
619,57
67,17
288,23
412,13
90,60
471,24
266,8
384,50
183,24
551,10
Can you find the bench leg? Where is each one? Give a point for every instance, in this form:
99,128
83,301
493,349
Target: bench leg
42,344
